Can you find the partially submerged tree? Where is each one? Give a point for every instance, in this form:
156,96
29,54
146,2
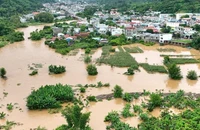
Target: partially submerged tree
192,75
174,72
92,69
76,120
2,72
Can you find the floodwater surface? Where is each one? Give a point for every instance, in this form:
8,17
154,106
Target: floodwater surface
17,58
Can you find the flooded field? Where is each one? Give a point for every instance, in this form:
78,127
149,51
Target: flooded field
17,58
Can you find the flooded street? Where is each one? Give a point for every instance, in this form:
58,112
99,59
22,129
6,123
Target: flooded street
17,57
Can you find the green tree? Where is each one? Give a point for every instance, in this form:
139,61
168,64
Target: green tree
76,120
149,30
192,75
2,72
174,72
155,101
118,91
166,60
195,41
44,17
166,29
87,59
92,69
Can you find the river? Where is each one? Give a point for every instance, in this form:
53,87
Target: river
17,57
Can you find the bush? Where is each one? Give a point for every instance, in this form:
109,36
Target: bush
136,95
155,101
2,115
87,51
2,72
118,92
76,120
174,72
126,111
92,70
144,116
127,97
137,109
49,96
34,72
87,59
10,106
92,98
56,69
192,75
82,89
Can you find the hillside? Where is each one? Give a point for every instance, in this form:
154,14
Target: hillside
13,7
165,6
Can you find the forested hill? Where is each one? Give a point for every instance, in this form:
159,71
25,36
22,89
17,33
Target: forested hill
13,7
165,6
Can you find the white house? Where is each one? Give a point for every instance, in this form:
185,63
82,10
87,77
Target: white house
117,31
172,24
102,28
77,30
165,37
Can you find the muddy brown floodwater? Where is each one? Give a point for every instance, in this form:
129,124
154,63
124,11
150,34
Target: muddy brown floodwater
16,58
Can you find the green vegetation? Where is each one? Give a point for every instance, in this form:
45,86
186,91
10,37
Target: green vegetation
166,29
133,50
168,60
2,72
153,68
44,17
76,120
91,98
174,72
47,32
2,115
9,125
126,111
34,72
130,70
13,7
155,101
119,59
92,70
192,75
127,97
10,106
88,12
87,51
56,69
87,59
118,92
195,41
15,37
3,43
183,60
166,50
187,41
82,90
49,96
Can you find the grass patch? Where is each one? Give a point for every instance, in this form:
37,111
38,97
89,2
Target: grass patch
133,50
3,43
183,60
73,52
153,68
119,59
166,50
187,41
106,50
120,49
178,55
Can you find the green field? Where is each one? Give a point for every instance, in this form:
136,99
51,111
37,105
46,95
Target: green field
153,68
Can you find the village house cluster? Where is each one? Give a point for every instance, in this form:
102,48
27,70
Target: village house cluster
150,27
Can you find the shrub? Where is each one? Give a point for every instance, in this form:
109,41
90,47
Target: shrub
192,75
174,72
92,70
87,51
118,92
87,59
99,84
144,116
2,115
56,69
137,109
34,72
2,72
155,101
92,98
127,97
112,116
106,85
10,106
82,90
49,96
136,95
126,111
76,120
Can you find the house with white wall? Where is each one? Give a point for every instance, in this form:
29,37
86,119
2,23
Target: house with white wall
165,37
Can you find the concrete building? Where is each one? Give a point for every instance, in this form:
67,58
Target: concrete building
165,37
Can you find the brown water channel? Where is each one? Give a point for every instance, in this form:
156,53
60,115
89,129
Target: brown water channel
16,58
